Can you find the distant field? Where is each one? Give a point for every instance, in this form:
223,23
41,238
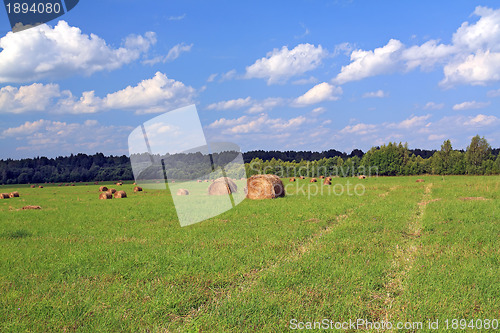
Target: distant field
403,251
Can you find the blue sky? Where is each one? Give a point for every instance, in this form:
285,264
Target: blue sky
301,75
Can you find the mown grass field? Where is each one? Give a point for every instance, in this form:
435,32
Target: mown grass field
402,251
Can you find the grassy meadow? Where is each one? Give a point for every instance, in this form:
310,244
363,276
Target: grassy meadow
401,251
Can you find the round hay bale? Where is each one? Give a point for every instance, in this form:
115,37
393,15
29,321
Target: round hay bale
327,182
31,207
362,177
329,179
222,186
206,180
119,184
103,189
40,186
14,194
105,196
134,184
72,184
321,177
265,187
313,180
199,180
420,181
182,191
292,179
120,194
4,195
137,189
302,177
32,186
111,190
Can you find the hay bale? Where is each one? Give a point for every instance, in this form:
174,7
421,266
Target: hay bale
120,194
199,180
362,177
103,189
327,182
313,180
14,194
321,177
292,179
137,189
111,190
420,181
302,177
32,186
182,191
329,179
40,186
4,196
265,187
206,180
72,184
31,207
105,196
222,186
119,184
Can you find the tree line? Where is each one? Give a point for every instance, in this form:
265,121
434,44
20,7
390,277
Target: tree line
393,159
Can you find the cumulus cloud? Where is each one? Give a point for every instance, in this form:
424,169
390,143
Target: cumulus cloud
319,93
172,54
46,52
252,105
256,124
473,57
375,94
433,106
158,94
232,104
470,105
364,64
57,137
280,65
482,120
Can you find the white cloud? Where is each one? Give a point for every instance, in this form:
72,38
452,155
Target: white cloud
266,104
319,93
375,94
482,120
472,58
494,93
158,94
280,65
172,54
212,77
177,18
318,110
412,122
35,97
470,105
58,137
228,75
426,55
364,64
433,106
232,104
476,69
61,51
257,124
360,129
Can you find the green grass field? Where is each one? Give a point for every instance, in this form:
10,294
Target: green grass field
403,251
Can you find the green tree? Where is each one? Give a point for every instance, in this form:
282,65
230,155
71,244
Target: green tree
478,151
